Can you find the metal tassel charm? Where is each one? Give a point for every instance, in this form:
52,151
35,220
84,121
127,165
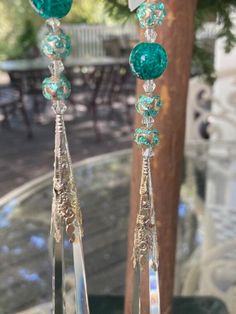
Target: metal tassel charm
148,61
145,251
66,213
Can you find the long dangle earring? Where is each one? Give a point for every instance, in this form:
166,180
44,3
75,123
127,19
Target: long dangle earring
66,212
148,61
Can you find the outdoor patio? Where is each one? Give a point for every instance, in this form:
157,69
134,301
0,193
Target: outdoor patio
193,188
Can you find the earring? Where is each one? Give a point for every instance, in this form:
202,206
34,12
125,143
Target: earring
66,212
148,61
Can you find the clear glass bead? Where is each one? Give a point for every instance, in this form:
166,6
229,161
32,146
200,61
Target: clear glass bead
56,67
149,86
150,35
53,24
148,122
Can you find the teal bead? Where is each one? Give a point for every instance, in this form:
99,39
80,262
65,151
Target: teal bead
56,88
149,106
148,61
146,137
151,14
52,8
56,46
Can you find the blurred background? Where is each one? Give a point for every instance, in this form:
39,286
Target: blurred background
100,125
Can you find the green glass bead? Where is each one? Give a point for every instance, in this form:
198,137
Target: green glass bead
149,106
52,8
56,46
56,88
148,61
151,14
146,137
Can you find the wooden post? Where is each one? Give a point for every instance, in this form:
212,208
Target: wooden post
176,35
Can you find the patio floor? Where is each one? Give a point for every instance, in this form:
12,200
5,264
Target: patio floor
22,160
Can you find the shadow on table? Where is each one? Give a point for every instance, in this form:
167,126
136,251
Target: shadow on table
193,305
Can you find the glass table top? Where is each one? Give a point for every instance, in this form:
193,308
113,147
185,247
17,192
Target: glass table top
104,185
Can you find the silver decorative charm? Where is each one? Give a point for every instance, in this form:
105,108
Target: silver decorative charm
66,213
145,248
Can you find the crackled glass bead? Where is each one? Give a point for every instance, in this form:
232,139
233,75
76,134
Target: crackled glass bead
149,106
52,8
151,14
56,88
146,137
148,61
56,45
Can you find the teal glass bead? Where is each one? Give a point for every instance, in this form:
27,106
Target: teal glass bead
146,137
52,8
148,61
56,88
149,106
151,14
56,46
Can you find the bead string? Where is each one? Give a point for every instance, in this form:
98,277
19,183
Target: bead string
65,207
148,61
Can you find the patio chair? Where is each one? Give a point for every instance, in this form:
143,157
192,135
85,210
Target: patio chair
110,82
10,103
29,83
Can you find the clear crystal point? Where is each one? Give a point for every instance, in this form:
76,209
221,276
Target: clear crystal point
56,67
149,86
150,35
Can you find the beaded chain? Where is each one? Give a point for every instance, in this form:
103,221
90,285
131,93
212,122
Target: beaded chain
66,207
148,61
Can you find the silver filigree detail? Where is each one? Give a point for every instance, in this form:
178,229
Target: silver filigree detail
145,230
66,205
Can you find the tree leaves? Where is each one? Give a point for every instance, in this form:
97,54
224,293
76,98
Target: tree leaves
207,10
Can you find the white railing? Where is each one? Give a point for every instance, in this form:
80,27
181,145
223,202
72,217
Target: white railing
88,40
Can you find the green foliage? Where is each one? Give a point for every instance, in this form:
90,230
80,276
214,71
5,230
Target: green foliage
19,22
219,11
85,11
17,28
118,9
207,10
